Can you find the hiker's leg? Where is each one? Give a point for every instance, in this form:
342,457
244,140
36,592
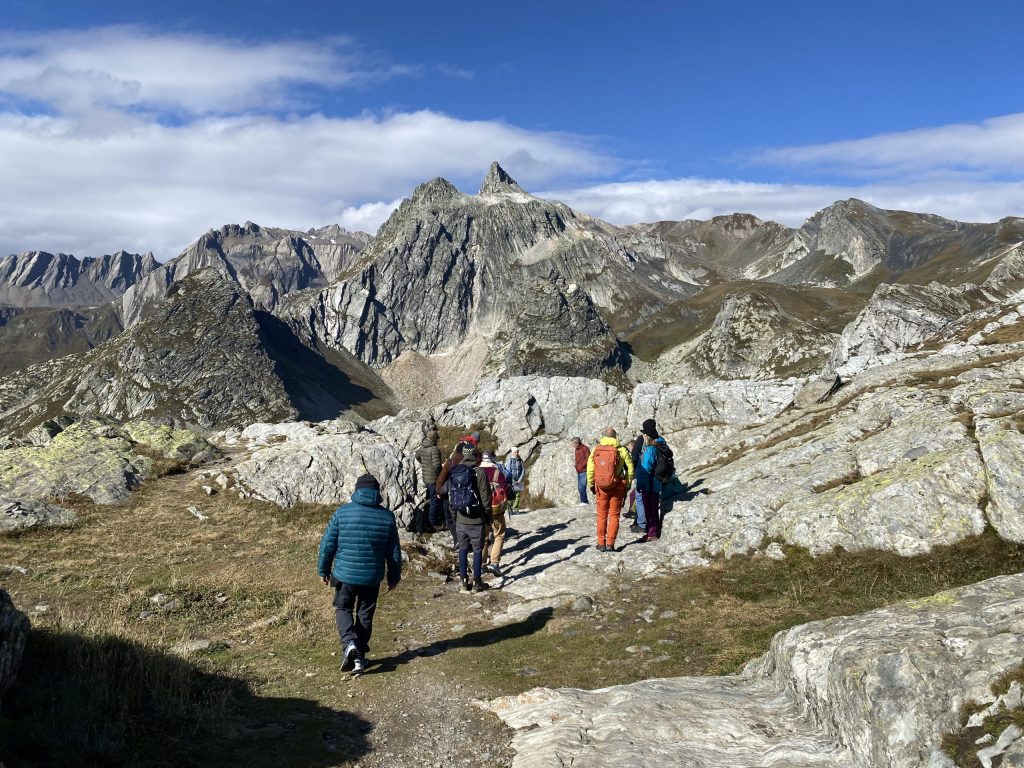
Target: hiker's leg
435,508
641,516
602,499
464,544
344,603
581,486
477,537
651,513
449,519
615,500
366,606
515,501
498,529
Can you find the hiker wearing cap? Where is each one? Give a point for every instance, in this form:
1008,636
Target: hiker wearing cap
582,453
515,474
469,500
429,456
609,473
358,547
499,494
653,464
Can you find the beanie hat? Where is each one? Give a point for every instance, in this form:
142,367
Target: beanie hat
432,436
367,481
650,428
476,437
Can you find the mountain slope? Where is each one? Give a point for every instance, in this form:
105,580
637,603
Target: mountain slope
40,279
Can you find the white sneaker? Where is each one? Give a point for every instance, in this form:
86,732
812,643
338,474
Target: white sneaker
584,503
349,657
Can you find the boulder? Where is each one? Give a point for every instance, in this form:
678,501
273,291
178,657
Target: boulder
21,515
876,689
14,627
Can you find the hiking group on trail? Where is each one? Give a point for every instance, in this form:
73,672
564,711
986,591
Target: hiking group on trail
468,495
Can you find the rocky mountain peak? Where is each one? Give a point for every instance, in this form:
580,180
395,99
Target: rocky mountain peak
498,181
437,191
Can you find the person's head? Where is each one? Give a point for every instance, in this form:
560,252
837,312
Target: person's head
476,437
610,432
367,481
432,437
650,429
514,452
488,456
575,441
468,454
631,444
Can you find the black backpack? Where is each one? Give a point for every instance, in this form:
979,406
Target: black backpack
664,463
462,495
419,522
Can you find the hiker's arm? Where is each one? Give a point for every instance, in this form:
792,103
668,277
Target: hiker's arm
590,471
393,558
328,549
442,478
628,461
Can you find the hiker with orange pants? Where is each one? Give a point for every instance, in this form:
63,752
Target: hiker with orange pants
609,473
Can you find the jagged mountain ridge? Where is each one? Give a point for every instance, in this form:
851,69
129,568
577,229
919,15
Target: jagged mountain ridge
41,279
267,262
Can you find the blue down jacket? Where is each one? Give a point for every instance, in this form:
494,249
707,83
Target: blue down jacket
360,539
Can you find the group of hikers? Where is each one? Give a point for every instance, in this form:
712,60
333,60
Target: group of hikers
469,494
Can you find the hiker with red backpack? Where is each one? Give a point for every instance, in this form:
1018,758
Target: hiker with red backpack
469,501
499,495
609,473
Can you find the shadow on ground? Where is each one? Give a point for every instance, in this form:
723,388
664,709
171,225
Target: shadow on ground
106,701
532,623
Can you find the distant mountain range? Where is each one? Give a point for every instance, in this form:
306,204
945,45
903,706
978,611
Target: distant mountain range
455,288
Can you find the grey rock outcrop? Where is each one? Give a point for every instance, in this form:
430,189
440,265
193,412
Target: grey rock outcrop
21,515
320,464
39,279
98,458
265,262
897,318
876,689
14,627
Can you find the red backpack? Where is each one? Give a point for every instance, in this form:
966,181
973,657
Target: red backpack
605,459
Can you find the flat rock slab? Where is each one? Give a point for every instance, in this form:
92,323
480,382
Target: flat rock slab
876,689
20,515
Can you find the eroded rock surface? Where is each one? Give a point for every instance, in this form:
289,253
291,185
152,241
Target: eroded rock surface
876,689
20,515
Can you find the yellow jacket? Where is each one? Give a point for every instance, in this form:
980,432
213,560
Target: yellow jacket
623,467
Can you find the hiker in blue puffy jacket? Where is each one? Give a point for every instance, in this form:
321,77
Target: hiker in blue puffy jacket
360,541
648,487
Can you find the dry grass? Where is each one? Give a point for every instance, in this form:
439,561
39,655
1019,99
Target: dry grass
963,746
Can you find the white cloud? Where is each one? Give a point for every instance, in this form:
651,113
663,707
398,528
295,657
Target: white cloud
143,185
994,146
119,67
792,204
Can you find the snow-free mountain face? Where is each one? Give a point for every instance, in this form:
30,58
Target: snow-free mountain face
39,279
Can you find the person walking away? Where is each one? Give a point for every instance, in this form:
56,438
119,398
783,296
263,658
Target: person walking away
652,458
609,473
515,474
499,494
359,545
469,500
429,456
581,456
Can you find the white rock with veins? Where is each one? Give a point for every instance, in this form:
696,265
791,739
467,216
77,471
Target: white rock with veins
876,689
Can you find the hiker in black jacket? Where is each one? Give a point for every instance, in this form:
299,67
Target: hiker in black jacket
469,500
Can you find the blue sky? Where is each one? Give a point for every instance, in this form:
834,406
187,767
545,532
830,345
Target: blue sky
138,126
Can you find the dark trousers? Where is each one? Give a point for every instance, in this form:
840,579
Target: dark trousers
449,520
652,511
471,537
354,606
435,506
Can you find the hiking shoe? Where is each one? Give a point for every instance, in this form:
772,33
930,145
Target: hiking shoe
643,539
609,548
359,666
479,586
634,528
466,586
349,657
600,547
495,569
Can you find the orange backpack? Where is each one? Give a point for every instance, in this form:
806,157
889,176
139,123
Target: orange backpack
605,459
